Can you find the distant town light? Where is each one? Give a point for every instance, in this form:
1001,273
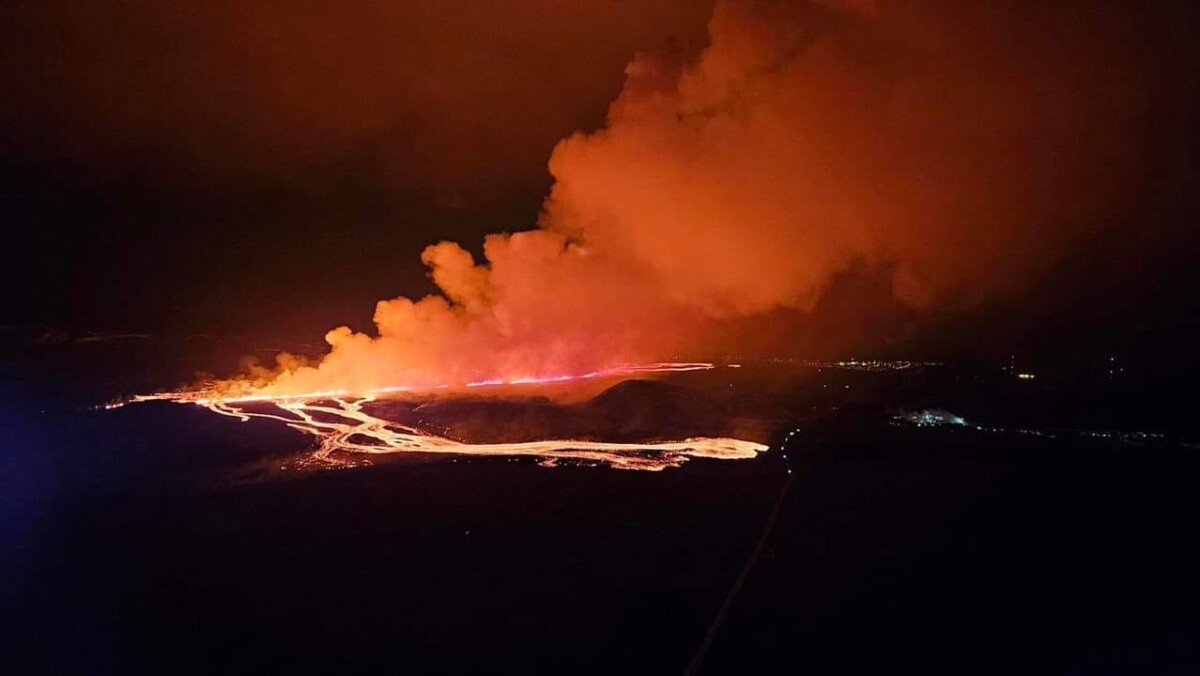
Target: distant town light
1026,376
931,417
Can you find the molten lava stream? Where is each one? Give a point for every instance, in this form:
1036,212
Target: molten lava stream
318,413
365,433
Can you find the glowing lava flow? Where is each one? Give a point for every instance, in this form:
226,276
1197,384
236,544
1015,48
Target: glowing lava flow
341,426
364,433
248,395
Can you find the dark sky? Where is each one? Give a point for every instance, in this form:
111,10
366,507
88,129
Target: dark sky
277,167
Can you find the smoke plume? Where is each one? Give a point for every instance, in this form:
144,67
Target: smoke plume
955,148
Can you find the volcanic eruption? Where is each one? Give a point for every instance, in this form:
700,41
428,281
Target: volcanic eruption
954,149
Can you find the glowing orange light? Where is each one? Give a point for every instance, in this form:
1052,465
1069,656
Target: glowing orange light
363,433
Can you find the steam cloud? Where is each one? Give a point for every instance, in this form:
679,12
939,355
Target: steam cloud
957,149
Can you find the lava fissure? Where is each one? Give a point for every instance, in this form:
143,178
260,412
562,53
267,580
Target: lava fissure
341,444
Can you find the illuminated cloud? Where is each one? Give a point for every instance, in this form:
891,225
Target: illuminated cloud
956,149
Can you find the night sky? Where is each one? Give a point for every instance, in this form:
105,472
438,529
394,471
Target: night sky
276,168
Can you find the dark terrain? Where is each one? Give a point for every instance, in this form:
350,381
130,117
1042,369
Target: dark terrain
163,538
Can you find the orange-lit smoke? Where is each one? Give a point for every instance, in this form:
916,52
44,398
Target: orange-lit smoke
957,148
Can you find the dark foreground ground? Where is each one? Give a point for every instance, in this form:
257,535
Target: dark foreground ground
158,539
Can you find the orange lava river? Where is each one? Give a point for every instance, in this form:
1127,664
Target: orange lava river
347,434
